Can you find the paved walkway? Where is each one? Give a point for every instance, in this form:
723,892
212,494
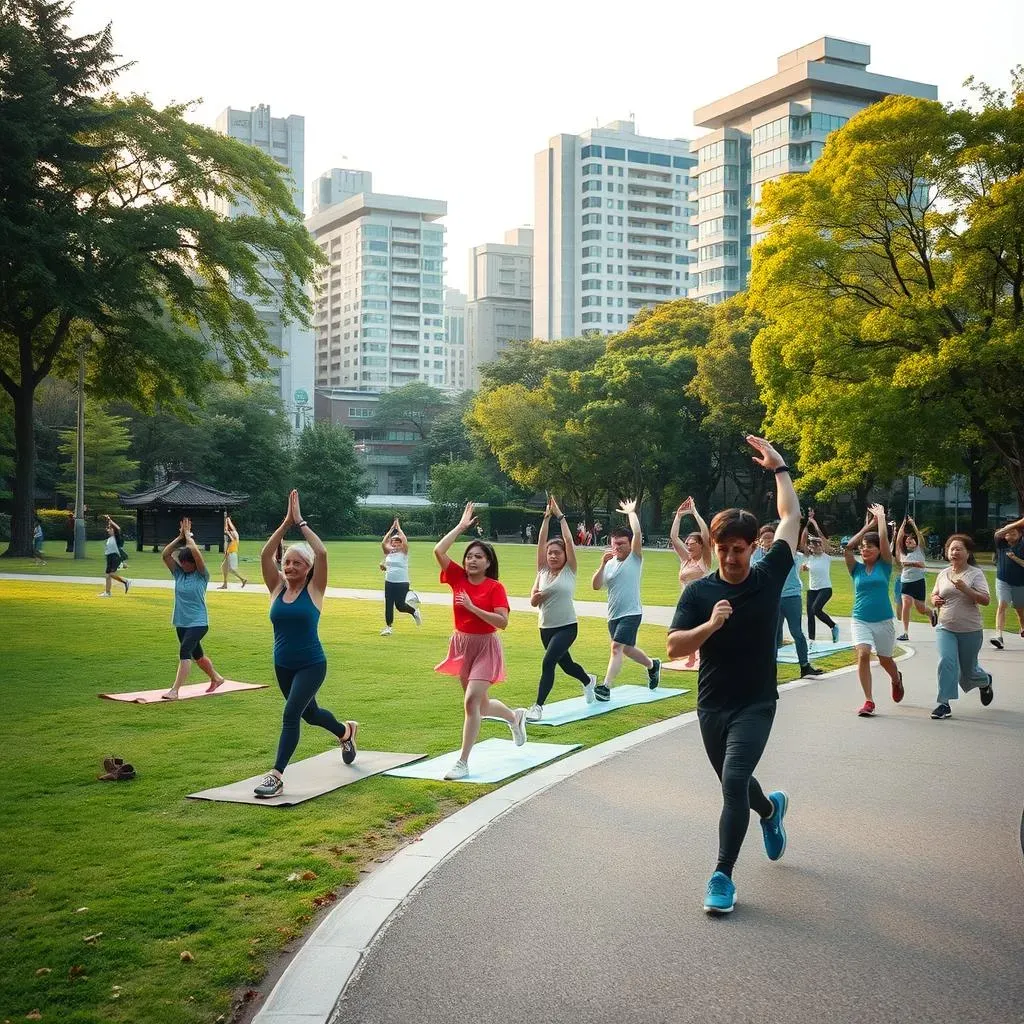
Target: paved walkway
900,898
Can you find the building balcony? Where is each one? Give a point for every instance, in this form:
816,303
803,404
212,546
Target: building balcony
643,241
649,275
657,177
404,250
647,225
647,258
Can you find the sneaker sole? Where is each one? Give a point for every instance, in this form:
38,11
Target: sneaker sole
715,911
939,718
865,714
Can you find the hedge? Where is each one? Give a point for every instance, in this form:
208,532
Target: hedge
55,525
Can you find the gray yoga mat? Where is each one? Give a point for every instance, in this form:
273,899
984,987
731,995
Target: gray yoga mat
312,777
490,761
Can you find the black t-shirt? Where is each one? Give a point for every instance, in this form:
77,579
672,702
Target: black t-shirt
737,663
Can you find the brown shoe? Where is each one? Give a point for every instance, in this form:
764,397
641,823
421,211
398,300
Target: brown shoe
122,773
111,764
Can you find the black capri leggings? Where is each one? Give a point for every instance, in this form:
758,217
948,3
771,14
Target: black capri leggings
190,649
299,686
557,642
394,597
816,601
735,741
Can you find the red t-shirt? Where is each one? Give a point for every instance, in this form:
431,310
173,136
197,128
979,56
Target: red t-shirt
487,595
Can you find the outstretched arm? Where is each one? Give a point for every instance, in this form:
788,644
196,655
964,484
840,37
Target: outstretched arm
628,509
673,531
899,542
849,552
190,543
883,533
168,552
1002,531
570,547
542,536
268,555
787,503
319,582
442,546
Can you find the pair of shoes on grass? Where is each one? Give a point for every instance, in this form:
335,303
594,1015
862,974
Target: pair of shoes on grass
116,770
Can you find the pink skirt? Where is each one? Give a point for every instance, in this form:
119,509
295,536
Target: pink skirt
474,656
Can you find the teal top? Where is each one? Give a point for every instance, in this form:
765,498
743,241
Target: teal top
871,592
189,598
793,587
296,641
622,578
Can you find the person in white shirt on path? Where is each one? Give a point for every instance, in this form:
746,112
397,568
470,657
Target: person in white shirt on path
818,565
395,567
909,555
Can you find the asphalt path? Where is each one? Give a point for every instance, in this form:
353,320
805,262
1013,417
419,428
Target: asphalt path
900,897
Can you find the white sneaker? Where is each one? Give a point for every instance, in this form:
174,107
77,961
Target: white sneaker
588,689
103,593
459,770
386,631
416,617
534,713
518,727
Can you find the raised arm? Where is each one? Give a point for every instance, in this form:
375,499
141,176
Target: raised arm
542,536
917,534
1002,531
850,551
319,581
787,503
387,536
442,546
190,543
400,534
628,509
878,512
570,547
673,530
272,576
812,525
898,542
168,552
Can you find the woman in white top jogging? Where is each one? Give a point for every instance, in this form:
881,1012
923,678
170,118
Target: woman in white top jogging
909,555
818,565
694,555
112,551
395,567
553,593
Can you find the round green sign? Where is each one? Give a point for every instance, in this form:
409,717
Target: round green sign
301,396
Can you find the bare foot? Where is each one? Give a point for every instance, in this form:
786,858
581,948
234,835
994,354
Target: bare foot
214,683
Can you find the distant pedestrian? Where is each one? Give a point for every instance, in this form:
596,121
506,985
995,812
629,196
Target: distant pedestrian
190,619
230,563
694,555
112,552
395,567
909,555
522,532
552,594
1009,577
598,530
958,592
732,617
872,621
37,542
69,526
480,605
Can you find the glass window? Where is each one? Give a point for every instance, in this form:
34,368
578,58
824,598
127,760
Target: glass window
661,159
433,236
591,285
591,218
614,153
375,231
591,169
636,156
589,201
593,185
588,151
432,252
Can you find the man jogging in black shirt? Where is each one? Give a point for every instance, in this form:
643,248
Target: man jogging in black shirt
732,617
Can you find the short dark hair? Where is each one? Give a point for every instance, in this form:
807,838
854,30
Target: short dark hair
907,535
492,569
621,531
734,523
967,542
698,537
872,538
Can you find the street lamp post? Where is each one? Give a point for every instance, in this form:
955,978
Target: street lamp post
80,461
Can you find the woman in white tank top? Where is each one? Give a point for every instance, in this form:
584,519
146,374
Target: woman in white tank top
694,555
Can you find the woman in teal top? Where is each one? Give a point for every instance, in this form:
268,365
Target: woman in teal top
873,624
300,664
183,557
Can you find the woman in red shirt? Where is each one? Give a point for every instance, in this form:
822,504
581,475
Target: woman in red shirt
474,651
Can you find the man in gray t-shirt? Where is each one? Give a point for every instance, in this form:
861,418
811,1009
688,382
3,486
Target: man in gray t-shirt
620,570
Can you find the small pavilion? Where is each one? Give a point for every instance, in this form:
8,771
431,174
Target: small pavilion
159,510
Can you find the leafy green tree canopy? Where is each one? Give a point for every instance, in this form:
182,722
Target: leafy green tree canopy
109,470
329,478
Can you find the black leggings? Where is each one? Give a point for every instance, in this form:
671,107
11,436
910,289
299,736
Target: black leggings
816,601
299,686
557,642
188,640
734,741
394,597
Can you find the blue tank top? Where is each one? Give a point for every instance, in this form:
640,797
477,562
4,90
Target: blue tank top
296,642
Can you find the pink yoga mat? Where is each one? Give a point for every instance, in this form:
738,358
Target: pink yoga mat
679,665
187,692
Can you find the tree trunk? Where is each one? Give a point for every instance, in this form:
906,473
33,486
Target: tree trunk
23,518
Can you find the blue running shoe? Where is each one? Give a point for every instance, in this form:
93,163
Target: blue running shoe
773,828
721,895
835,634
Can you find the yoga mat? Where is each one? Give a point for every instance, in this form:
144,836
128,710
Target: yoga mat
816,648
491,761
310,778
188,692
576,708
679,665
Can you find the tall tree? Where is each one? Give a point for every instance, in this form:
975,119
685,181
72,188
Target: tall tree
109,470
454,483
414,406
529,362
329,478
892,286
114,235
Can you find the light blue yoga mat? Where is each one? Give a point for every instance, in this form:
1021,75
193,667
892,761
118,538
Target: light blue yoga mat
576,708
816,648
491,761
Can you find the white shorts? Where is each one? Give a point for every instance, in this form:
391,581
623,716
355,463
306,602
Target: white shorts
879,635
233,561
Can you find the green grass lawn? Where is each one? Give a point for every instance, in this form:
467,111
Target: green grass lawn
156,875
354,564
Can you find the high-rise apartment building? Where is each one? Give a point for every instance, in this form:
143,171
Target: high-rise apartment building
455,339
612,226
499,306
337,185
775,127
379,307
283,138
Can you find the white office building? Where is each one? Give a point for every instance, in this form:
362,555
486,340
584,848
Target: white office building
499,307
337,185
379,306
283,138
612,229
455,339
775,127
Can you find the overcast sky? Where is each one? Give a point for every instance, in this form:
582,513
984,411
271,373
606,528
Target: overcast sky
449,101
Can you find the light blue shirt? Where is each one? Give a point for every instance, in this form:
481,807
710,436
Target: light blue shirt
792,587
623,582
871,592
189,598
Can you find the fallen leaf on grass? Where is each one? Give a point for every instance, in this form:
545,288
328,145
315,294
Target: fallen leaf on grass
44,970
259,867
92,938
186,957
325,900
81,910
308,876
78,971
34,1015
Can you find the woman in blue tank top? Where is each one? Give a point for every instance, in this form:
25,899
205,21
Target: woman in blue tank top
296,598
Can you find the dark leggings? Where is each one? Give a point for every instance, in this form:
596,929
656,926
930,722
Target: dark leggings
556,643
735,741
299,686
394,597
189,646
816,601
